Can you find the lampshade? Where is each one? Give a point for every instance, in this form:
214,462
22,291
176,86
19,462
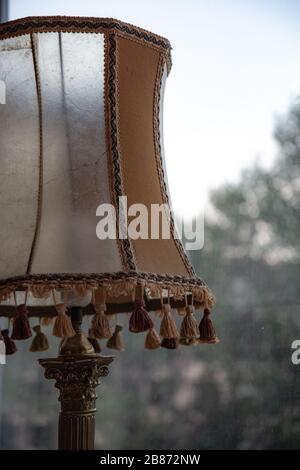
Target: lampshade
82,127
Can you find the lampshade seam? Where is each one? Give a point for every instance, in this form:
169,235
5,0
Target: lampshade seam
40,159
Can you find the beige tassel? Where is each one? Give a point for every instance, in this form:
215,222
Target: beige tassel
40,341
152,340
168,328
47,321
62,327
100,325
189,327
116,340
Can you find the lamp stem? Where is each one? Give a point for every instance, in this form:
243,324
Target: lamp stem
76,318
76,373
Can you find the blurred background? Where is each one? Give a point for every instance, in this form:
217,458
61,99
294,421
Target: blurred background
232,144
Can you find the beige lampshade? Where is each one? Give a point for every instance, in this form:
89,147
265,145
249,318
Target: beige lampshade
82,126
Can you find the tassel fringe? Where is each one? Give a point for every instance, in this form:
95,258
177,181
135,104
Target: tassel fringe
169,343
189,328
116,340
62,327
21,327
206,329
140,320
168,328
100,325
10,345
152,340
40,341
46,321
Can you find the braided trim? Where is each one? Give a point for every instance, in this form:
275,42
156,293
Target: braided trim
160,168
108,142
77,24
112,121
117,284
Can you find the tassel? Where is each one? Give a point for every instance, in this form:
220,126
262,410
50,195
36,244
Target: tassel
46,321
10,345
189,328
206,329
140,320
169,343
21,326
152,340
100,324
62,327
40,341
116,340
168,328
94,342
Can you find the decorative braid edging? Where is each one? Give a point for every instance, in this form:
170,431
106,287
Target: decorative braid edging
160,166
73,24
111,83
117,284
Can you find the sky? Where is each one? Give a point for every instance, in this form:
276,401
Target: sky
236,68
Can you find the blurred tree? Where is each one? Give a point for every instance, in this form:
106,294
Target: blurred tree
251,257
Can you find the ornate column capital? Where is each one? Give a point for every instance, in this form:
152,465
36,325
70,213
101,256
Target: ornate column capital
76,378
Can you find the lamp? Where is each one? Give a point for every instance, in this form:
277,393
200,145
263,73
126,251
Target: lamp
80,131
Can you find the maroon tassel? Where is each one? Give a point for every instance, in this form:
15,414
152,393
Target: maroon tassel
206,329
10,346
21,326
94,343
140,320
169,343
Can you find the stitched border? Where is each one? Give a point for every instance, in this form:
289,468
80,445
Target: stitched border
108,141
40,24
116,284
111,83
159,164
95,277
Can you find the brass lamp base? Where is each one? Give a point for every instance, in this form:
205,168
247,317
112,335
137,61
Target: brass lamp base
77,372
77,345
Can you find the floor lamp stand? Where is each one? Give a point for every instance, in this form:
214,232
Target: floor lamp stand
77,372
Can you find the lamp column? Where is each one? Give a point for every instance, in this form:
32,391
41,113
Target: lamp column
77,372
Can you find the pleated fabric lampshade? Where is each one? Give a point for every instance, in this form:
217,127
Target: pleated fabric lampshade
82,127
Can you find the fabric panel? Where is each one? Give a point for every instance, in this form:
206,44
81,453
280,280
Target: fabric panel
137,70
75,157
19,150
